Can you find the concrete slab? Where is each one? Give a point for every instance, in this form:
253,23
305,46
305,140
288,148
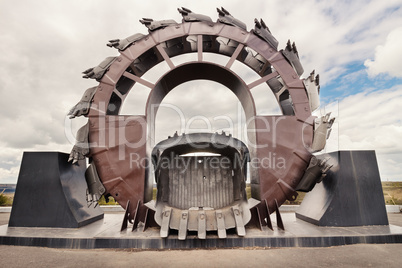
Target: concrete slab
106,234
283,208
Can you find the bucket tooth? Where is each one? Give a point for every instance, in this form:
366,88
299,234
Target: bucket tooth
241,231
202,225
167,213
183,225
220,224
136,216
279,221
126,217
269,223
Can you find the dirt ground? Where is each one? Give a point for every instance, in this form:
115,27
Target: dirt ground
392,193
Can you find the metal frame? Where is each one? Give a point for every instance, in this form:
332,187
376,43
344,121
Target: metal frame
291,139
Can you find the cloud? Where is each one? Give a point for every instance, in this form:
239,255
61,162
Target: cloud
388,57
390,166
47,46
332,34
370,121
197,107
9,175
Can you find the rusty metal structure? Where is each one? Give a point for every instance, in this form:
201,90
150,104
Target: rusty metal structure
201,198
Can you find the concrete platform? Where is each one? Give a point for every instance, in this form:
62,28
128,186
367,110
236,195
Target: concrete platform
105,234
283,208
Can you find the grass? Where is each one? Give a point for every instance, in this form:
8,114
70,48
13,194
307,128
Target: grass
6,199
298,200
111,201
154,194
392,193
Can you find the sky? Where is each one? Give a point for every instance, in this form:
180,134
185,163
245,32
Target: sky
355,46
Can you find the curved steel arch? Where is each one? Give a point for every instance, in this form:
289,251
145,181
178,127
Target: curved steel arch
198,71
285,137
163,44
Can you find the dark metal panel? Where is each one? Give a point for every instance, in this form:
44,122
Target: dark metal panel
51,192
350,195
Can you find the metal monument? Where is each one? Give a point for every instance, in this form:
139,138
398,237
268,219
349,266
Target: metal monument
206,193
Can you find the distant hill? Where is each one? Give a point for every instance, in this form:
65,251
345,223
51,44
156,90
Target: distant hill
7,188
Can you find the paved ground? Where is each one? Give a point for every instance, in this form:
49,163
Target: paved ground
343,256
395,219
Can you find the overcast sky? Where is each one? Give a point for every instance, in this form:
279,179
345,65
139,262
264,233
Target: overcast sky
355,46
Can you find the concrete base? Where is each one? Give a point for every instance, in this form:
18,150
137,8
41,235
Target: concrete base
283,208
105,234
